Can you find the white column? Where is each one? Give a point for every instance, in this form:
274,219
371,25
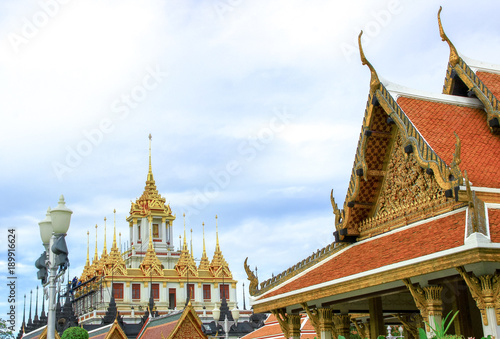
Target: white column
492,328
163,230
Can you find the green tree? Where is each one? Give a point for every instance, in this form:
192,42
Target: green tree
75,333
5,333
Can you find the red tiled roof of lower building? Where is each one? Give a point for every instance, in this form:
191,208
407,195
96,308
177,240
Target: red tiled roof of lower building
494,219
157,331
436,122
445,233
272,330
492,81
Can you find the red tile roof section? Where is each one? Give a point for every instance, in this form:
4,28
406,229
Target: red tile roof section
494,219
99,336
157,331
272,330
445,233
480,151
492,81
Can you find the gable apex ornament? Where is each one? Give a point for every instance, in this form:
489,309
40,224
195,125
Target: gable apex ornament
374,81
453,51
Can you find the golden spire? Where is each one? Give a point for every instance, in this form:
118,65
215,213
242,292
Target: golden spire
219,266
114,262
185,265
150,172
374,81
184,246
204,263
96,256
151,263
104,251
87,263
453,51
217,247
191,242
114,229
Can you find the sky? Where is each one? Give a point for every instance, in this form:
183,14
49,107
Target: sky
254,107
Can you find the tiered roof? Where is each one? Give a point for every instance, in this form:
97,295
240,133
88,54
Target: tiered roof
422,160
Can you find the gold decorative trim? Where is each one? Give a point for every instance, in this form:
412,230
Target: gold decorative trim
485,290
472,256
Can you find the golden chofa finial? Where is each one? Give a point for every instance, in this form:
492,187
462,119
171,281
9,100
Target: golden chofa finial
374,81
453,51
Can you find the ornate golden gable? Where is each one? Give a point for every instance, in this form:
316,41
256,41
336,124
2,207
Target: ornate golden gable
115,263
459,71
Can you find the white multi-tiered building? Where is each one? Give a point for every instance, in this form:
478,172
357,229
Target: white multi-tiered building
152,267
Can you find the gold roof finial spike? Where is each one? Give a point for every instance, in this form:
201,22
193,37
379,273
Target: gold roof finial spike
191,242
204,251
374,81
114,229
184,245
217,247
87,263
150,172
453,51
96,257
104,251
120,234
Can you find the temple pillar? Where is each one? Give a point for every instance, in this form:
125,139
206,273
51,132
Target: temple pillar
376,317
289,323
163,230
342,324
294,325
485,290
325,323
428,301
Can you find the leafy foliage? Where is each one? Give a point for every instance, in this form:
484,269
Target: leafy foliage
5,333
441,328
75,333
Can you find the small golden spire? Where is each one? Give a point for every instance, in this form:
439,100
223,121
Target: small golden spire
104,251
184,246
204,263
191,241
204,251
150,172
217,247
87,263
96,257
453,51
374,81
114,228
120,234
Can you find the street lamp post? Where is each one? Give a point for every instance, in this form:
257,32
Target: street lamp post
52,232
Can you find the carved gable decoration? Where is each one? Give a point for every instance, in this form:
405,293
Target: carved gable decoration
406,183
407,189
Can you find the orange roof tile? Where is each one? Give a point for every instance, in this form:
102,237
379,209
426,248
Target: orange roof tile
480,151
492,81
494,219
272,330
398,246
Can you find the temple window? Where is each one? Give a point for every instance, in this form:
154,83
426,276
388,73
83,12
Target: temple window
118,290
136,291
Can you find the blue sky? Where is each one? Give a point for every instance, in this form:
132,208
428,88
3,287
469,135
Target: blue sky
255,108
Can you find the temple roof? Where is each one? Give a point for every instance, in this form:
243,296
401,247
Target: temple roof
272,329
150,202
